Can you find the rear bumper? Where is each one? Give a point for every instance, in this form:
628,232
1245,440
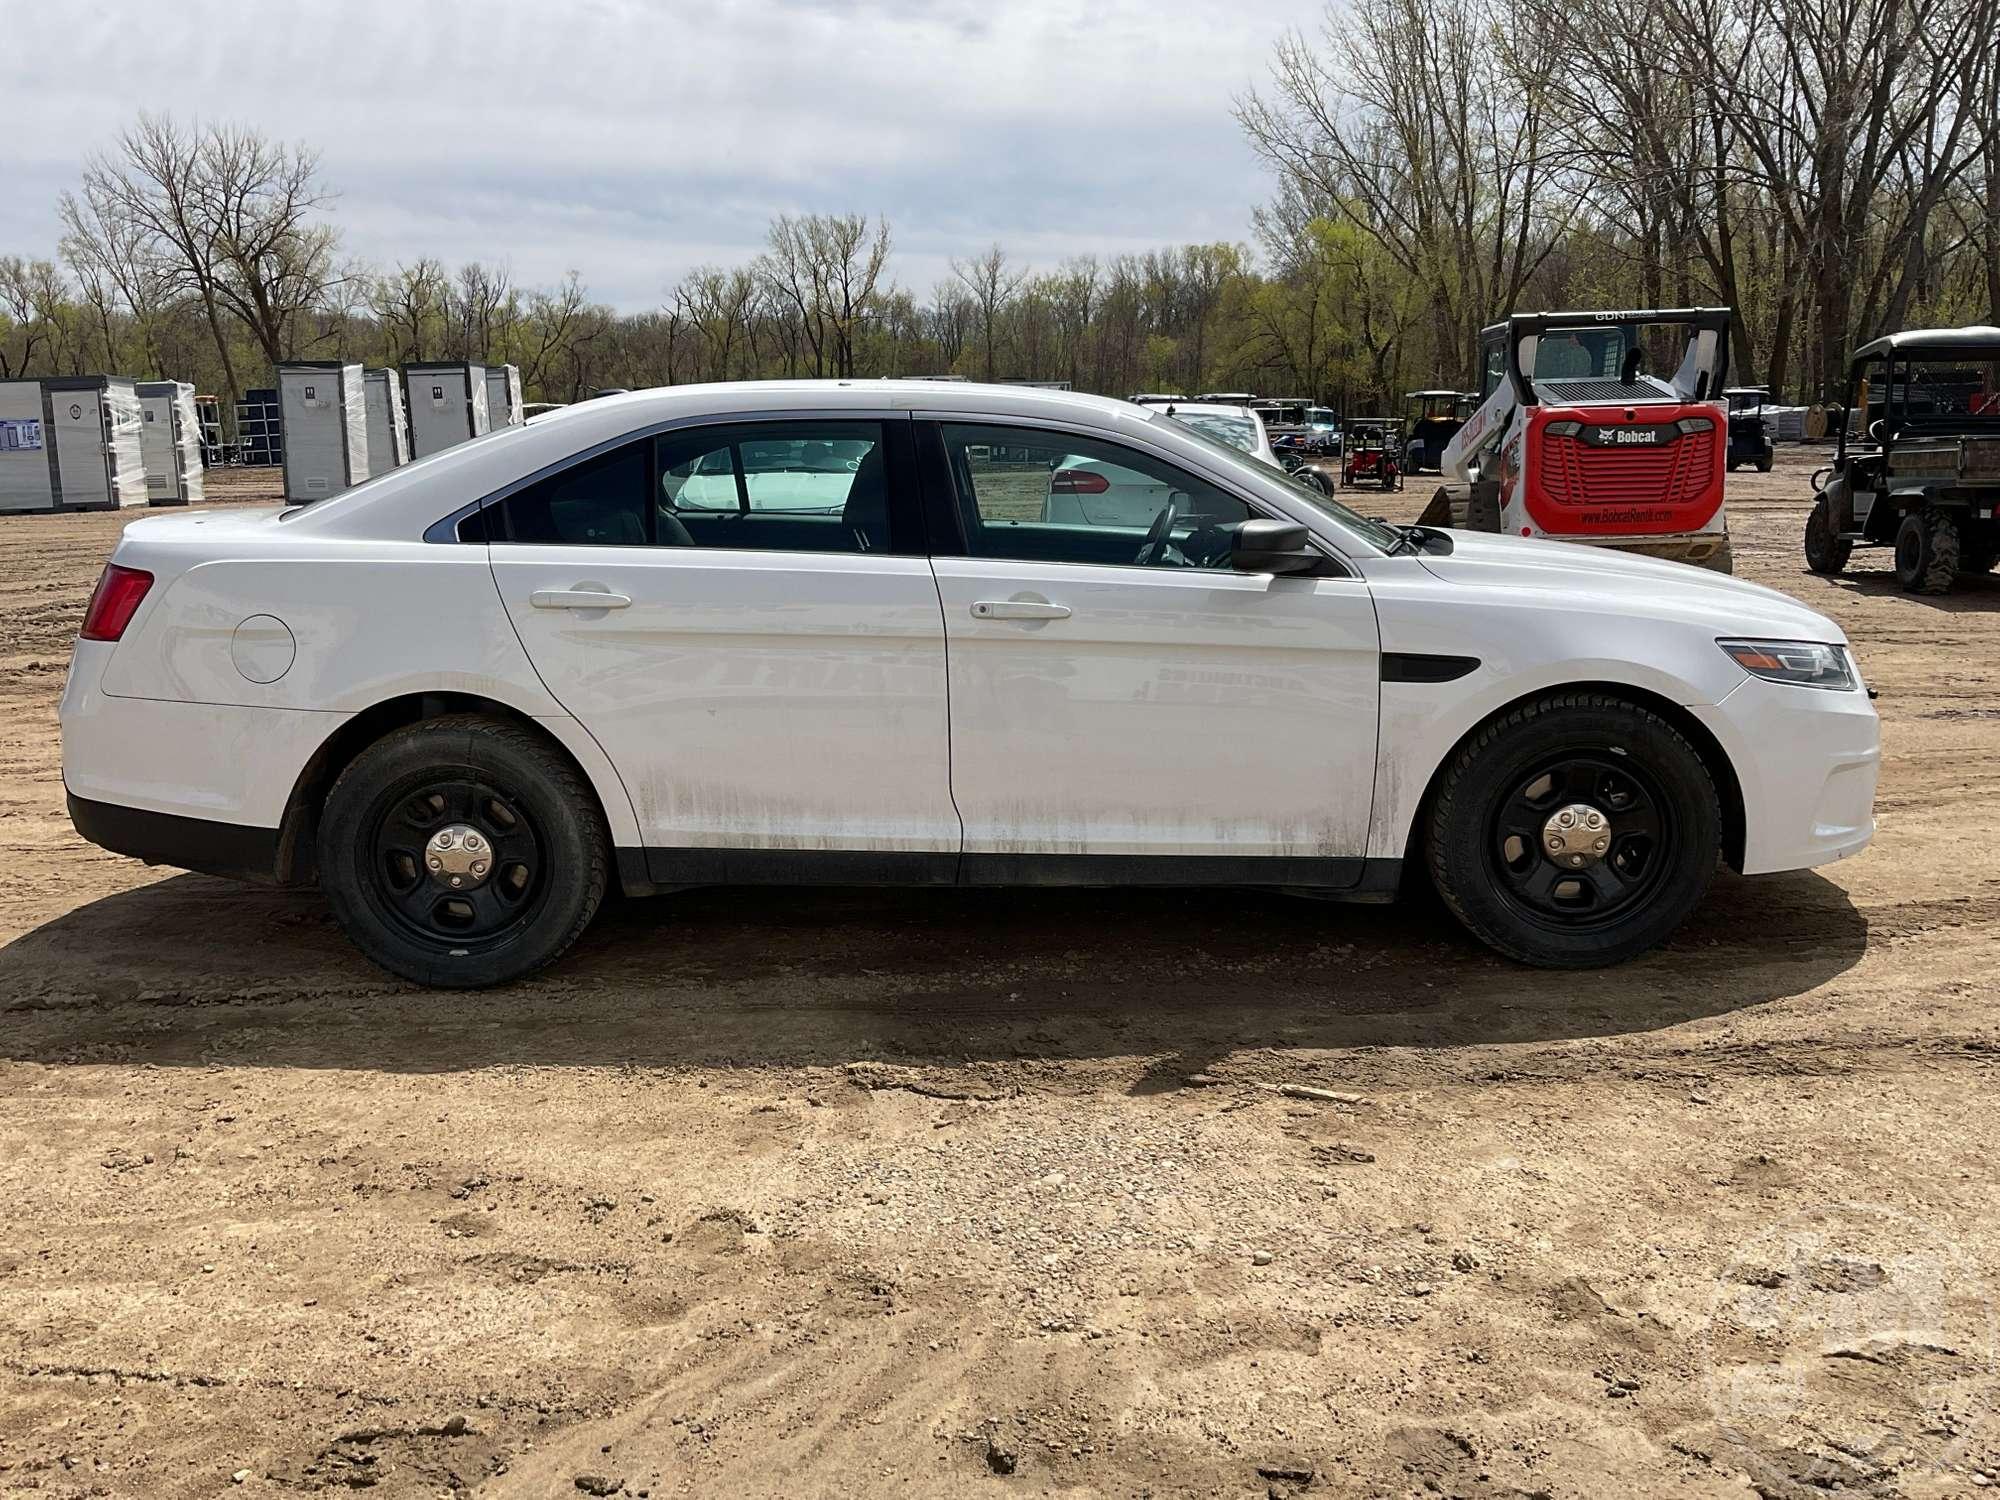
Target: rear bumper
234,850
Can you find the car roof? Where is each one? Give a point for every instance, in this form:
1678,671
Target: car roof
489,463
1974,337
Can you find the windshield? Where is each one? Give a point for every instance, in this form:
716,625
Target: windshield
1321,417
1374,532
1239,432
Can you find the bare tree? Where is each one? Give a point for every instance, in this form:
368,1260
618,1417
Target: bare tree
482,302
36,321
155,182
411,304
1412,122
991,281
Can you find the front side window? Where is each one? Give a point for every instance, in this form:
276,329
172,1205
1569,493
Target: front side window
1055,497
769,487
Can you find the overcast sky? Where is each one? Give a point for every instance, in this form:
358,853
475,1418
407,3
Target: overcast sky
633,139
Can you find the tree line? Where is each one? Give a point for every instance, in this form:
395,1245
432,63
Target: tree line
1830,168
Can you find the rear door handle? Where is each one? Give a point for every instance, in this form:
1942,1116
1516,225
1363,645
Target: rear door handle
1018,609
578,599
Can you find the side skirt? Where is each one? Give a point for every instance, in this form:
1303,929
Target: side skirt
643,872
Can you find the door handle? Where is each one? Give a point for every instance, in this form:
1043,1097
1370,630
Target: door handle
578,599
1018,609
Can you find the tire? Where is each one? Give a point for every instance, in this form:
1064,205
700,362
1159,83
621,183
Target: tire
1827,551
1764,463
1491,815
1927,551
548,856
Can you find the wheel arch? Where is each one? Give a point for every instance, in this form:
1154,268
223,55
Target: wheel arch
1721,770
299,828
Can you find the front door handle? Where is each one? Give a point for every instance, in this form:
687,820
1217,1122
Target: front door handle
1018,609
578,599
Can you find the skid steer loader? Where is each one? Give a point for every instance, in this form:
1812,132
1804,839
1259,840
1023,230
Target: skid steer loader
1606,428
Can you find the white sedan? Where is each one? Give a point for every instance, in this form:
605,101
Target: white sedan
1238,426
823,632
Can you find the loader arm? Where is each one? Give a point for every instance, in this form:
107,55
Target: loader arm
1480,434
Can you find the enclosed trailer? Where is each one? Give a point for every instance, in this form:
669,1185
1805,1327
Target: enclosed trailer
70,444
503,397
325,428
388,425
170,442
447,405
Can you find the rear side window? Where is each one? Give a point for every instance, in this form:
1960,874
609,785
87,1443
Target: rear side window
600,502
805,486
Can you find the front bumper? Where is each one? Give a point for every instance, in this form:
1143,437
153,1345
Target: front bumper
1806,761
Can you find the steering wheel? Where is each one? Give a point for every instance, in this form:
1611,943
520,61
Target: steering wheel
1154,548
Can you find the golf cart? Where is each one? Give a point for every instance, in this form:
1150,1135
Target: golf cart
1435,417
1371,453
1922,473
1749,434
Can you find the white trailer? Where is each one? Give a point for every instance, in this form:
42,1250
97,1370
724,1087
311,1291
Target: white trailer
325,428
70,444
170,442
447,405
388,424
503,397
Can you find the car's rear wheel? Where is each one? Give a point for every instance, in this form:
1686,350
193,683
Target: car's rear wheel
1574,831
462,851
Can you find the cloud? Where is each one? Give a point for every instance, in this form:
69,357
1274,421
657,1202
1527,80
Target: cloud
631,140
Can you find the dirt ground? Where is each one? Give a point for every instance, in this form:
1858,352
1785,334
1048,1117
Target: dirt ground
1058,1193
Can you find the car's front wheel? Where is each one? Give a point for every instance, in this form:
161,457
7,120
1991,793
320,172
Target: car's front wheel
462,851
1574,831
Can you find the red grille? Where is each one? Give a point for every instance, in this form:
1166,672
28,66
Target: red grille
1573,472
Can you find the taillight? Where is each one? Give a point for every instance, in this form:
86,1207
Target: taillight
1078,482
113,602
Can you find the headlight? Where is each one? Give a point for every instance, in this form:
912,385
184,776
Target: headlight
1803,663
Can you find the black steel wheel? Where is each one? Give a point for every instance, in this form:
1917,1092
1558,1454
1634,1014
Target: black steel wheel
462,851
1616,833
1574,831
457,861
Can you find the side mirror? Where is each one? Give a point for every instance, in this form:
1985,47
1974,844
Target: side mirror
1281,547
